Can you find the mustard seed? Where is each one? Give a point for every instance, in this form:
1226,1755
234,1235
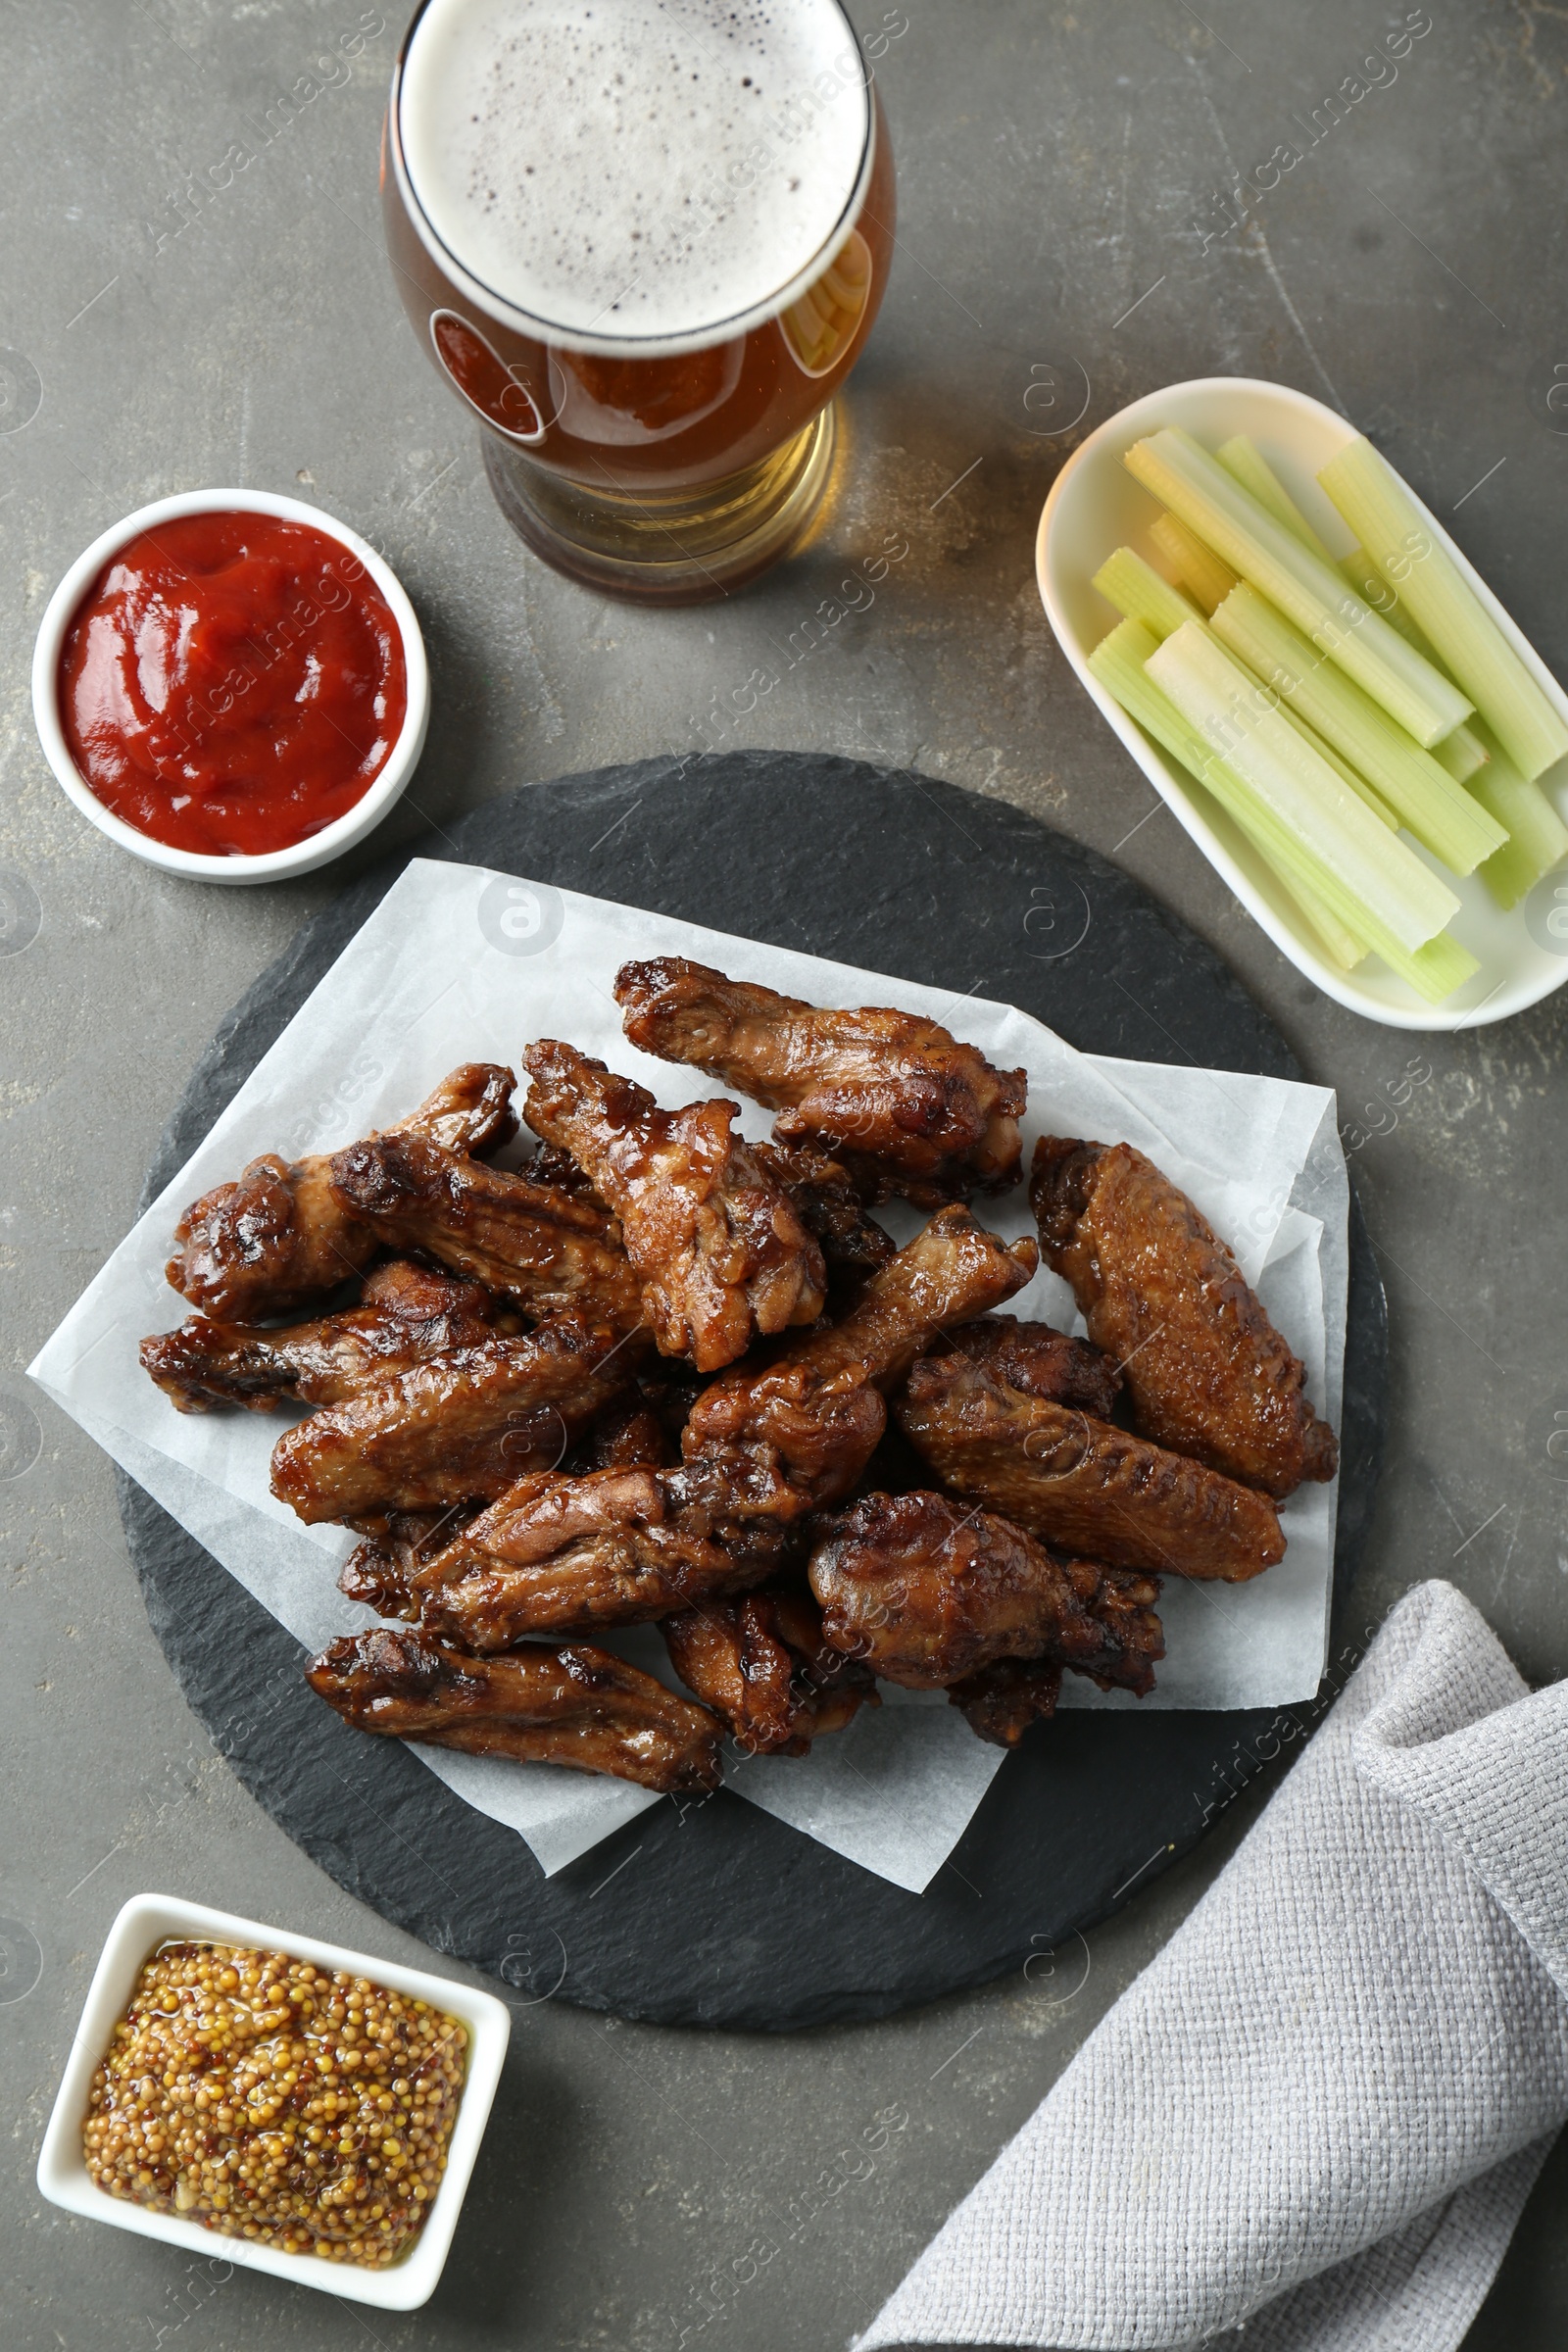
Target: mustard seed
214,2078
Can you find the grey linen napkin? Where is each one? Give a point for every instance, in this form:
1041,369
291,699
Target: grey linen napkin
1321,2108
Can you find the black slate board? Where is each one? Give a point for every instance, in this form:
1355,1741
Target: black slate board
714,1914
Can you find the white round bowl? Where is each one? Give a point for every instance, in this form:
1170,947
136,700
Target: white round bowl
303,857
1095,506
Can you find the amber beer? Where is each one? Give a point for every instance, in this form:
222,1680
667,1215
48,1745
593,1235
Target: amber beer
644,240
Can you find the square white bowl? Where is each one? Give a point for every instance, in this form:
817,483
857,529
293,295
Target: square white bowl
149,1920
1096,505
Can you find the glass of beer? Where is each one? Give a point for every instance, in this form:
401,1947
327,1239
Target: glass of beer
644,240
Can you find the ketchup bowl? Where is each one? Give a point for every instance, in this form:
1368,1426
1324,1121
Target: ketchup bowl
363,586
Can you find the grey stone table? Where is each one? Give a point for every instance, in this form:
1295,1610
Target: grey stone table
194,292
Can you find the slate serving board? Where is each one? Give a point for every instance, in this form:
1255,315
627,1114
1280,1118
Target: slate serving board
714,1914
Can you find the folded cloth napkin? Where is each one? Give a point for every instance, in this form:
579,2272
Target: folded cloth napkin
1320,2109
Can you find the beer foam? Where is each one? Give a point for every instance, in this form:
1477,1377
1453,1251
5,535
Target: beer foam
632,168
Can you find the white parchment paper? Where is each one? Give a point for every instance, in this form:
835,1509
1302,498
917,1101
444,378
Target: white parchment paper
460,964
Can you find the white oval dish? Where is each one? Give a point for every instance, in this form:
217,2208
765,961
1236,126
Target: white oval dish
1095,506
149,1920
303,857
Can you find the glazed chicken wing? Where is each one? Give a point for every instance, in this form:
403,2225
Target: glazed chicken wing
761,1664
829,1204
548,1250
802,1428
464,1425
1001,1701
1207,1371
561,1556
396,1544
1040,1361
927,1594
549,1164
574,1706
1082,1484
717,1246
406,1313
904,1106
279,1239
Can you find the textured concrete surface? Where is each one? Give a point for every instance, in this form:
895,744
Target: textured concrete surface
179,315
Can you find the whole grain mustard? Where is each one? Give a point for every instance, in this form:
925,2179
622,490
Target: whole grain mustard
271,2100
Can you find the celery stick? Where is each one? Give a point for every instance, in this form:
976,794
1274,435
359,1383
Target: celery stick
1462,753
1195,566
1435,970
1336,945
1227,705
1440,812
1119,661
1347,774
1245,464
1138,593
1538,838
1366,579
1334,942
1308,591
1382,513
1512,874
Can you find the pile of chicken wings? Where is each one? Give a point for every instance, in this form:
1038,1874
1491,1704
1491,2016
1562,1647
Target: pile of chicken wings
658,1374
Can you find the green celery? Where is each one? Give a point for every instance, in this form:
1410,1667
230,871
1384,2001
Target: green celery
1311,592
1138,593
1366,579
1245,464
1440,813
1195,566
1120,662
1462,752
1244,724
1538,838
1334,941
1347,774
1384,516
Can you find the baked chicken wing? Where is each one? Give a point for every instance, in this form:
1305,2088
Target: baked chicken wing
1082,1484
406,1313
1206,1369
828,1202
718,1247
464,1425
796,1434
279,1239
898,1100
562,1555
396,1544
574,1706
763,1666
927,1594
1040,1361
823,1191
1001,1701
545,1248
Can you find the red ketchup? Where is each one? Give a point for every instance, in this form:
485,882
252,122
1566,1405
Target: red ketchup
232,683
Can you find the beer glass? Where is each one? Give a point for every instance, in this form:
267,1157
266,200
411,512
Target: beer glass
644,240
